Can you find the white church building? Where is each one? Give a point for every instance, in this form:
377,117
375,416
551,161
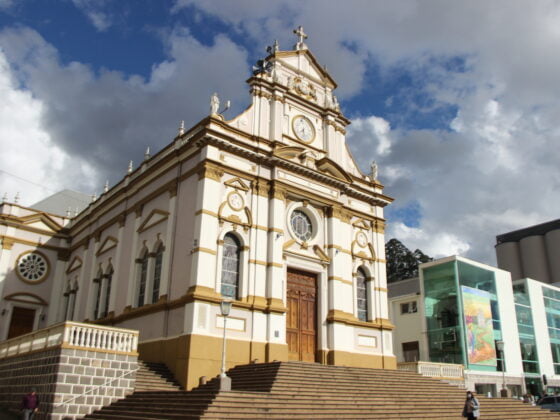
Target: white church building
268,209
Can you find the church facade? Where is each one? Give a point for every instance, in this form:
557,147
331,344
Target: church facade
268,210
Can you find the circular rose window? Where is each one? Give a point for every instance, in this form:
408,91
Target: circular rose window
301,225
32,267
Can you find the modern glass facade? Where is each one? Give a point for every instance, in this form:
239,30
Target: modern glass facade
551,299
450,333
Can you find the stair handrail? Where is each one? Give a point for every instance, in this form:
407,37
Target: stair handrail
107,382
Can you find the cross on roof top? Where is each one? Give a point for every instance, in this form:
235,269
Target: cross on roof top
301,36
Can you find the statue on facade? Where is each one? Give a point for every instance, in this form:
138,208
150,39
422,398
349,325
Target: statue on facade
214,104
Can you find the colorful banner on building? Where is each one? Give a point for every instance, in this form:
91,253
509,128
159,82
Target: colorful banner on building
478,327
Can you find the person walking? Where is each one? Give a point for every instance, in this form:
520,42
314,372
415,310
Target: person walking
30,405
471,410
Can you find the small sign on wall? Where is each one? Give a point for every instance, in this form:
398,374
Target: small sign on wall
367,341
234,324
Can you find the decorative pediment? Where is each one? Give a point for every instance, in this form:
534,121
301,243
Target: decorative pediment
331,168
289,152
109,243
74,264
361,224
41,221
321,254
237,183
293,59
156,216
26,298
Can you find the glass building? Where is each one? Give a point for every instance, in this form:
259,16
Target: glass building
466,306
506,335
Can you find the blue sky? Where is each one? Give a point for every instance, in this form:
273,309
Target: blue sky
456,101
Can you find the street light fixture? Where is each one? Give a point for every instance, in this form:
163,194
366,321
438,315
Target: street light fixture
225,381
500,347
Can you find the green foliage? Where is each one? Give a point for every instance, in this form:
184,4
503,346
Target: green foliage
401,262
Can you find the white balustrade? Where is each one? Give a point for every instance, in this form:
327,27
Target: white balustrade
436,370
74,334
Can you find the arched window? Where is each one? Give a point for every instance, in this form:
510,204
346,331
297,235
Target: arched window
230,266
361,295
97,282
143,278
66,301
157,273
70,300
108,280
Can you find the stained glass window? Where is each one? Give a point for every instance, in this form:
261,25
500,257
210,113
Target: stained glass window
301,225
143,278
230,266
157,274
361,293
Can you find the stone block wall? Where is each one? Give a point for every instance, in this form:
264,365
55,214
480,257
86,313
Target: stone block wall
70,382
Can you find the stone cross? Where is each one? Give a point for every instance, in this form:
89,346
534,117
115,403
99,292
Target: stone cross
301,36
374,170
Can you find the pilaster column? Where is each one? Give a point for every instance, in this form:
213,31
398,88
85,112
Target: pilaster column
276,238
5,257
57,291
168,243
92,295
276,272
120,272
208,196
132,269
340,280
276,116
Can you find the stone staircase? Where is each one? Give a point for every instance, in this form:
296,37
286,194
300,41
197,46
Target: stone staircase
154,377
295,390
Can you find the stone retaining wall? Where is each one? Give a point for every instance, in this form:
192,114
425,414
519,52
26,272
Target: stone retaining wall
76,369
61,374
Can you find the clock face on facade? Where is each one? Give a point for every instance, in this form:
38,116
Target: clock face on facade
303,129
235,201
361,239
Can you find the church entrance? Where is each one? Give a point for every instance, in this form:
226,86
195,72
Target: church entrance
301,324
22,321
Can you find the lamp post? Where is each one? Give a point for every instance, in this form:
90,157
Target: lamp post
225,381
500,347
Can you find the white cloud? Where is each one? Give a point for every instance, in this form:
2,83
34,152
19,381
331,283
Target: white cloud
109,118
93,9
31,164
494,168
491,170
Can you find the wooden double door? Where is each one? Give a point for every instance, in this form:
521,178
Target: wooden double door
301,320
22,321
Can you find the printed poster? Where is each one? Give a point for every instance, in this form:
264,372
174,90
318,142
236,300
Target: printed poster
478,327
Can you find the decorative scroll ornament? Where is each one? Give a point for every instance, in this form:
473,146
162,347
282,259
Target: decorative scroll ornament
302,88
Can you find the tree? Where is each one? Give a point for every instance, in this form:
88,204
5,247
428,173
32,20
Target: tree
401,262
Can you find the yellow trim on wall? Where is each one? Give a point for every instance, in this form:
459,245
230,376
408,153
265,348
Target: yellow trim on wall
337,316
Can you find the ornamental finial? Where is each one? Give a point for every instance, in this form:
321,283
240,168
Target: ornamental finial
129,170
106,187
374,169
16,198
5,197
182,128
301,36
147,153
